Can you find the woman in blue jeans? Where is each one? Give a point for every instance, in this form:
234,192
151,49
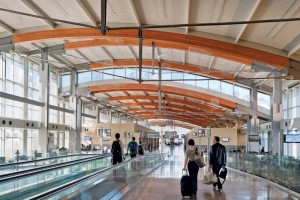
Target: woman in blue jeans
189,162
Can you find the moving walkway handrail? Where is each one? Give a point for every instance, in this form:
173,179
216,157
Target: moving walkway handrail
42,159
51,192
29,172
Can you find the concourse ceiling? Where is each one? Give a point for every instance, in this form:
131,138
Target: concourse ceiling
218,52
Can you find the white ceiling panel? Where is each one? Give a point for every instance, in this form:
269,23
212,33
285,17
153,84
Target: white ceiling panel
18,21
197,59
74,57
117,11
213,11
118,52
172,54
66,10
226,65
161,11
264,33
94,54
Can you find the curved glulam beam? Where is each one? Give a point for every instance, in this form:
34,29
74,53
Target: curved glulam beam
182,119
163,123
179,112
168,99
192,111
165,89
166,65
212,47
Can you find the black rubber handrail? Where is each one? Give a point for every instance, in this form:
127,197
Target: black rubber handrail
43,159
34,171
58,189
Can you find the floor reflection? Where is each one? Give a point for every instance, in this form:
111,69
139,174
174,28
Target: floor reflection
164,183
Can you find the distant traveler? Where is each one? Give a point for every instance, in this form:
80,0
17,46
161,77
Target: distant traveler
262,150
117,150
193,168
132,146
217,160
140,149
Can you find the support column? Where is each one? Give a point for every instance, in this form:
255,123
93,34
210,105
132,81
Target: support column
25,116
44,80
76,105
252,123
109,116
277,115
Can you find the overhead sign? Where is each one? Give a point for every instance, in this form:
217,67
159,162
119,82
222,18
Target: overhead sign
170,133
201,132
152,134
87,138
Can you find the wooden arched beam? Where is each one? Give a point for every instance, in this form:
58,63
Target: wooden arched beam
175,118
168,99
165,89
162,123
173,112
166,65
172,107
234,52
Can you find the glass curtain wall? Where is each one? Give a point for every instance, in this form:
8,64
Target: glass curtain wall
149,74
291,109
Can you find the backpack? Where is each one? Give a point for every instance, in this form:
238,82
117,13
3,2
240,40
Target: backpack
116,148
140,150
133,146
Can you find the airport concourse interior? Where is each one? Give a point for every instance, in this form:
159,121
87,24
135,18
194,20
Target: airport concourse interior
149,99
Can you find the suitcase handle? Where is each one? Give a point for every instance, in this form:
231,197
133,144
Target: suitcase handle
186,171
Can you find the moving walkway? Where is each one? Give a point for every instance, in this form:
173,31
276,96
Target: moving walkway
26,183
20,166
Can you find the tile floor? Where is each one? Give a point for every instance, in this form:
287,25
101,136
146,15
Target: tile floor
164,184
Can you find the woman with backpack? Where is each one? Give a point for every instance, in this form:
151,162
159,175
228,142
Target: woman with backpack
132,146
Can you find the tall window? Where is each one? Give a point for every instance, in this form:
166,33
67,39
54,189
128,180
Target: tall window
264,100
291,103
32,142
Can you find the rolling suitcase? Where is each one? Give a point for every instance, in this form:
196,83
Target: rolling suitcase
186,185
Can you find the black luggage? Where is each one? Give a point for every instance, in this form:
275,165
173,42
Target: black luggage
186,185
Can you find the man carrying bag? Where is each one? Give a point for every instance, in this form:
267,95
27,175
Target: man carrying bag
217,160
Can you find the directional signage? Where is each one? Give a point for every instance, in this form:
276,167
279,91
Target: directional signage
152,134
201,132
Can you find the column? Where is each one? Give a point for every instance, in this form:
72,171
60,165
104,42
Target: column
252,123
76,106
44,95
277,115
25,116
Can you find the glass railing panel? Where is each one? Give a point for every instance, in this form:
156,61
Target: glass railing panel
5,169
32,184
279,169
110,182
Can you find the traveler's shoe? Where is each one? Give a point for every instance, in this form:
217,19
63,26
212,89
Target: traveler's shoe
214,187
220,190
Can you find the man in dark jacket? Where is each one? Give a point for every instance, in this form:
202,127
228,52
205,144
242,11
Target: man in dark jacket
217,159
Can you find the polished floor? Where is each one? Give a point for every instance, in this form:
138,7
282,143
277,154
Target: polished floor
164,184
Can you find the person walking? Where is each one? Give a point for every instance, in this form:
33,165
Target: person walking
217,160
140,149
132,146
117,150
262,150
189,162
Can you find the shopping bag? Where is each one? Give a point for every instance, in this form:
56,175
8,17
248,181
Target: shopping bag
199,161
210,178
